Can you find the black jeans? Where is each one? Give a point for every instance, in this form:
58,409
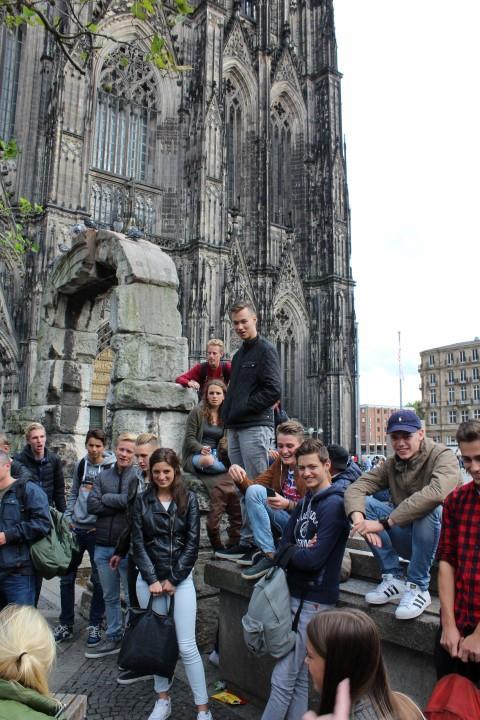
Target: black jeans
445,664
86,543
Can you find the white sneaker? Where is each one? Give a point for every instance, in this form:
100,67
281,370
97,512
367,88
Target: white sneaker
204,715
162,710
414,601
389,589
214,658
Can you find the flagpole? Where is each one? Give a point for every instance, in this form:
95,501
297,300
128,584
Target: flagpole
400,368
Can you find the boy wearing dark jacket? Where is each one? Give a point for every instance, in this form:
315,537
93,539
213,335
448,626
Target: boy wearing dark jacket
314,541
108,501
83,524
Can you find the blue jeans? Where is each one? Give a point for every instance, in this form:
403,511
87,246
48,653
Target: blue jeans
215,469
248,447
262,517
86,543
289,685
15,588
416,542
110,582
184,615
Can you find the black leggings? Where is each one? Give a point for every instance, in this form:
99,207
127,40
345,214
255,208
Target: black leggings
445,664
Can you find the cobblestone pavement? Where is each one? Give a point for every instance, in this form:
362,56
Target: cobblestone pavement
97,678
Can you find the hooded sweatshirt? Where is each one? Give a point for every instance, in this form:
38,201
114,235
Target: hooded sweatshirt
314,572
346,477
84,475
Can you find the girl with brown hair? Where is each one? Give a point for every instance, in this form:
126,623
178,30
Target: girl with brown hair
345,644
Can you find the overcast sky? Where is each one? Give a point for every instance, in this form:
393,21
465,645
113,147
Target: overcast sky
411,119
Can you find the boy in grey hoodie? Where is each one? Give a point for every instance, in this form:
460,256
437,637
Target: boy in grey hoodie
82,524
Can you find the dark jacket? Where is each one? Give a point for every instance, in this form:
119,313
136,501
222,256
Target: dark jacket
124,544
47,474
108,501
24,517
254,385
346,477
19,471
314,572
165,544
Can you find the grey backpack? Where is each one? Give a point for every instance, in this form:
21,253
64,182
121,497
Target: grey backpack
267,626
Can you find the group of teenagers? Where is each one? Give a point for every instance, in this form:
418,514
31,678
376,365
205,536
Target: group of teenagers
133,513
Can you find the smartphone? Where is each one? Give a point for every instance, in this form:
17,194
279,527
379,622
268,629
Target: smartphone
270,492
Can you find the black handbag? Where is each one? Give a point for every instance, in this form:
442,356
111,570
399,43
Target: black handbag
149,645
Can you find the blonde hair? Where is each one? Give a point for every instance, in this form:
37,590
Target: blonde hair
31,427
147,439
216,341
126,437
27,647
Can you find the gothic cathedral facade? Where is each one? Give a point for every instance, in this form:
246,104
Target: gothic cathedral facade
236,168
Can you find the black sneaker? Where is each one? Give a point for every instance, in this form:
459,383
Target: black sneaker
234,552
252,556
259,569
62,633
128,677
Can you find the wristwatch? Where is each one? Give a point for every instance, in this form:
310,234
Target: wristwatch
384,522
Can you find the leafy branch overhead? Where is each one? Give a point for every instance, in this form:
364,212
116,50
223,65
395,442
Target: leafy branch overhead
76,26
14,218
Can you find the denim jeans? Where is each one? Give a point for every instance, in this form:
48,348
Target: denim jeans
289,685
184,615
86,543
215,469
261,517
416,542
249,448
110,582
16,588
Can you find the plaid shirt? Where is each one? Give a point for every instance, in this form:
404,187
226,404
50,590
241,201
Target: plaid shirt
459,546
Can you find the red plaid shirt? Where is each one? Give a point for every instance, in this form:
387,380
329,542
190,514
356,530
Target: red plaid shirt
460,546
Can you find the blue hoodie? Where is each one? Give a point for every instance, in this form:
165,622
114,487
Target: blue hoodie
314,572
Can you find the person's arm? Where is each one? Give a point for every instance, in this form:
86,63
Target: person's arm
59,486
445,477
188,557
192,442
36,523
367,484
118,501
95,504
19,471
331,524
140,555
269,387
450,638
191,376
73,494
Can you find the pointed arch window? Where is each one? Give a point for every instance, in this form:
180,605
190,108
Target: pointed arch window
126,117
249,9
281,164
234,143
10,55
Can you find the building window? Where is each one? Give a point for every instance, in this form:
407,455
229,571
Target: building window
450,358
475,374
462,357
126,118
464,415
463,375
249,9
476,392
451,376
476,414
281,164
475,355
452,416
433,417
451,395
10,54
431,361
450,440
234,146
433,379
433,397
463,393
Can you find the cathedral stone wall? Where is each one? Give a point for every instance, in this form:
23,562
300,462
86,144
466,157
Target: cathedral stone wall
235,169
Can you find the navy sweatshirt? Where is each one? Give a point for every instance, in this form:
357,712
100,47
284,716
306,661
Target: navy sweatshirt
314,572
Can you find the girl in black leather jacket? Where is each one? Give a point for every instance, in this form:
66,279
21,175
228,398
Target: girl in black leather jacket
165,537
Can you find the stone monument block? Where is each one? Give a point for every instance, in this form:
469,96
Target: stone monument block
152,395
139,308
148,357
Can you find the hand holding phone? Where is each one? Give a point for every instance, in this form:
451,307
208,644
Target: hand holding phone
270,492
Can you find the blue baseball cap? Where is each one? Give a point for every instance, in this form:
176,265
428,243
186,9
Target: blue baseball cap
404,421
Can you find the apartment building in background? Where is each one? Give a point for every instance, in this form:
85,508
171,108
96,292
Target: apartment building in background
450,385
373,424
